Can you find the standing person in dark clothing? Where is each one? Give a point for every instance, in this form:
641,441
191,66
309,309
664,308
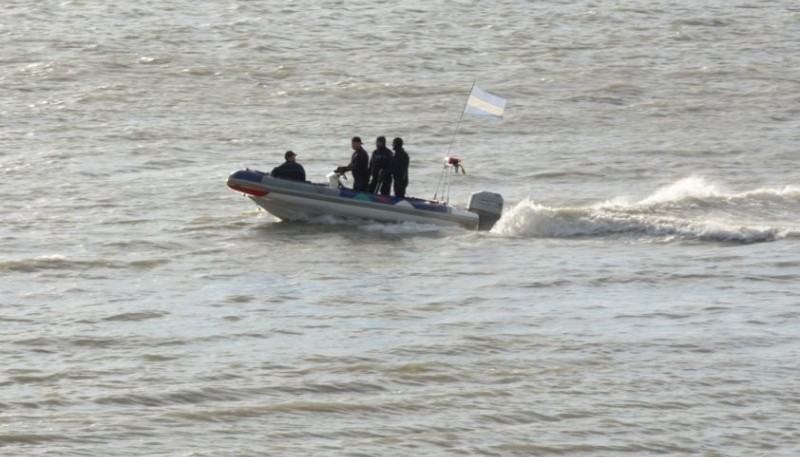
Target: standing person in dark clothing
359,165
400,167
380,168
289,169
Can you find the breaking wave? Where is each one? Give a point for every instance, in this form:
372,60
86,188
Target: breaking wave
690,209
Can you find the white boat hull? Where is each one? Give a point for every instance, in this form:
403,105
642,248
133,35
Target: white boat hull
303,201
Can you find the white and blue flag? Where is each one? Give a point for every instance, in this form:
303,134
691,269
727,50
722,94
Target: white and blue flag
483,104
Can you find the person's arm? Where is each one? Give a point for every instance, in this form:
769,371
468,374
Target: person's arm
350,166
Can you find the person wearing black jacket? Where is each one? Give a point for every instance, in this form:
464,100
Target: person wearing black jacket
380,168
400,167
289,169
359,165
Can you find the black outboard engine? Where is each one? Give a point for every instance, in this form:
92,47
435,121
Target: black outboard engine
488,206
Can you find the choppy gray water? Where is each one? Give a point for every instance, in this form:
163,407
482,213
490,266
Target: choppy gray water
640,295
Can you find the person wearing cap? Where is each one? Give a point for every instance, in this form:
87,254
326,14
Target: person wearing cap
289,169
400,168
380,168
359,166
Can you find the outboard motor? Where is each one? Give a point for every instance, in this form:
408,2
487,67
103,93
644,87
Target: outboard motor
488,206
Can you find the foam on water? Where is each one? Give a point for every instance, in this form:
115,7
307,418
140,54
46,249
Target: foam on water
697,189
689,209
691,187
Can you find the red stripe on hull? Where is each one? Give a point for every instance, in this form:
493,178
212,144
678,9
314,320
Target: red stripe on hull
249,191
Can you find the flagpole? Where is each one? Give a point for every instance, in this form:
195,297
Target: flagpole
458,124
452,140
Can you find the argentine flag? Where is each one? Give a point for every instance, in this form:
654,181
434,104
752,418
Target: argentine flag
483,104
